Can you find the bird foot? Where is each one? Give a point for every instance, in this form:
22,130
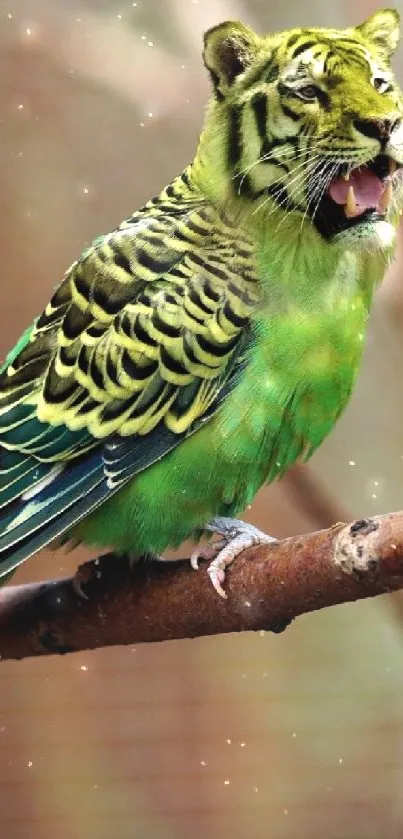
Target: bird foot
83,575
237,536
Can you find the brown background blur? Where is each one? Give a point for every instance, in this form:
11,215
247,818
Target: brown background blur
292,737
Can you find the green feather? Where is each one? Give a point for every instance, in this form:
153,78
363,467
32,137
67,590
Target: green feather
19,346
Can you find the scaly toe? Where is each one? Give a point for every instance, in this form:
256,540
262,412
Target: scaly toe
216,572
206,552
249,537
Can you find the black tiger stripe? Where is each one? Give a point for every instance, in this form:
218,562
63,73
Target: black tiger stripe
349,44
349,55
288,112
274,161
271,72
318,52
293,40
277,142
216,84
243,185
260,110
305,45
268,72
278,192
235,136
323,98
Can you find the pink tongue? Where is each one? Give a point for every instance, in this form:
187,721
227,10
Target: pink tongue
367,186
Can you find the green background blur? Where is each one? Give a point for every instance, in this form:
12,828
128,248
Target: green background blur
298,736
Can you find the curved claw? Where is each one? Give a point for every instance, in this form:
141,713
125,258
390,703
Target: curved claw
206,552
194,560
76,584
237,536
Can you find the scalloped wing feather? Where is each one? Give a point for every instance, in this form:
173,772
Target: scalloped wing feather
140,343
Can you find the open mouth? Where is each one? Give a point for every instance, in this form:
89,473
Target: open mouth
356,195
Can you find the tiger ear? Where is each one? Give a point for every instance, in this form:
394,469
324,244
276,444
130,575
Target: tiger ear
383,30
229,49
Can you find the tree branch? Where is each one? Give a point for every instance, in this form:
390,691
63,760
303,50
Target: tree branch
267,587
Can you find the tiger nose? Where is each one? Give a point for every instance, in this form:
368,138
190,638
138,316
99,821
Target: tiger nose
379,129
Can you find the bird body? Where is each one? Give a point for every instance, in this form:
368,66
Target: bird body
284,403
213,339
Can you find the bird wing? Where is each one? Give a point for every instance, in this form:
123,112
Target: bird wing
140,343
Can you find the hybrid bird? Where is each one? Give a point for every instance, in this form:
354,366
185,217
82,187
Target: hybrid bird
213,339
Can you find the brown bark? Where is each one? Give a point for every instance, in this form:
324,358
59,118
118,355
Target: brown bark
267,587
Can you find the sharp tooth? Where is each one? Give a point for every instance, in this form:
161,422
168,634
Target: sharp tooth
346,176
385,198
392,167
350,203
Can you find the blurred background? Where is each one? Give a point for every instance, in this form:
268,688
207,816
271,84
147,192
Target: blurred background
298,736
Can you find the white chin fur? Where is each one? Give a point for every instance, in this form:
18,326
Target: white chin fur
375,234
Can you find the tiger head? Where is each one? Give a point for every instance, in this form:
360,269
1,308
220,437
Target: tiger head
309,122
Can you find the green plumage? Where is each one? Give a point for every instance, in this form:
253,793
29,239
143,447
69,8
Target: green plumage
213,339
